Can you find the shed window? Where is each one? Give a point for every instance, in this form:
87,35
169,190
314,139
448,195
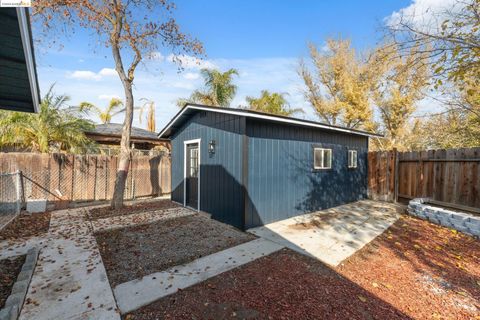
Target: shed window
194,163
352,158
322,158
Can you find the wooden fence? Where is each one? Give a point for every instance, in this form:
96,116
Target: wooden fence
65,178
450,176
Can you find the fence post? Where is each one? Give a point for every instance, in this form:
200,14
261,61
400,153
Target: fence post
395,175
19,192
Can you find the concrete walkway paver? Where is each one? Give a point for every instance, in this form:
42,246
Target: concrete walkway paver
70,281
334,234
140,292
10,248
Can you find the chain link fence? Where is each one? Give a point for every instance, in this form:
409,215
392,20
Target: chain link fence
58,181
11,196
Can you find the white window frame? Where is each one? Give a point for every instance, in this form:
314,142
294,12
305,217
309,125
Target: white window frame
185,143
323,151
352,159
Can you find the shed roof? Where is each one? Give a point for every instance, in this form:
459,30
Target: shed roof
18,76
190,109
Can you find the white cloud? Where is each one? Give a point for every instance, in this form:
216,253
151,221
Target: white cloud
190,62
108,72
108,97
422,13
90,75
83,75
191,76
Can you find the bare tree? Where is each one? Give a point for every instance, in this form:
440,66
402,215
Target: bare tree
447,40
132,30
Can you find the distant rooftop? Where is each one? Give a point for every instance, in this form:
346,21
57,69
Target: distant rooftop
115,129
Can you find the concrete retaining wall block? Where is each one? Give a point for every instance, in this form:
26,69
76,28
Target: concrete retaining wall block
9,313
460,221
14,302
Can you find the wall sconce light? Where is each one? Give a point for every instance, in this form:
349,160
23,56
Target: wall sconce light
211,147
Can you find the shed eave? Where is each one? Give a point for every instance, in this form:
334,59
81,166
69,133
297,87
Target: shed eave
169,128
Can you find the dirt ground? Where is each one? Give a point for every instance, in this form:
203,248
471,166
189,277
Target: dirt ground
134,252
414,270
9,270
107,212
26,226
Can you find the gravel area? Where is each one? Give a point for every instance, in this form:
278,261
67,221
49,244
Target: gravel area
424,270
9,270
106,212
283,285
26,226
134,252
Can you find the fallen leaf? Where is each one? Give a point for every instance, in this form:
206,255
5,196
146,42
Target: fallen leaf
375,285
362,298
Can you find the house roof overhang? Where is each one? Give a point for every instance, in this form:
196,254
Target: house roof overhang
19,90
190,109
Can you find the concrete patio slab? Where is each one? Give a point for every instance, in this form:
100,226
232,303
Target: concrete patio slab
140,292
334,234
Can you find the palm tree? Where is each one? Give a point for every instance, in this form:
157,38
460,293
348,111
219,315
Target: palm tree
55,128
150,106
274,103
114,107
218,89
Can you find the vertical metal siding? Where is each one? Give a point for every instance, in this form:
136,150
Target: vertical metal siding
281,180
221,192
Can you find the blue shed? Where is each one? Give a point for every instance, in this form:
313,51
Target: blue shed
248,168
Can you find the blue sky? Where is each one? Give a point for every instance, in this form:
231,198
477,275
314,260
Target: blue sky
262,39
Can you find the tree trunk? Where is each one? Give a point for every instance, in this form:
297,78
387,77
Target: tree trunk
125,154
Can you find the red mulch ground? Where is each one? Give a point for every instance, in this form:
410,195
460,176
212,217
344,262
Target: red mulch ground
26,226
283,285
9,270
414,270
424,270
107,212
